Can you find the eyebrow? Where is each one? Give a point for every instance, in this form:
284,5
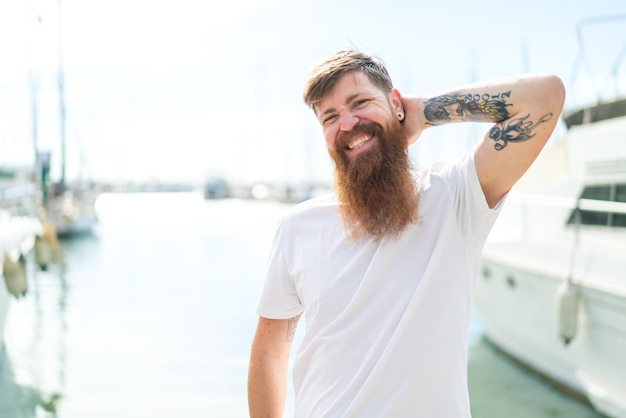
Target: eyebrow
332,109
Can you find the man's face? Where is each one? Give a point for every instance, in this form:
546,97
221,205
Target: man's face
355,101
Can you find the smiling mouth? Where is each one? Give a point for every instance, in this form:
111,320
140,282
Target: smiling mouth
359,142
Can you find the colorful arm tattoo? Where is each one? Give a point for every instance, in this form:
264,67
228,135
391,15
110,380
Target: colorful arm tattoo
467,108
483,108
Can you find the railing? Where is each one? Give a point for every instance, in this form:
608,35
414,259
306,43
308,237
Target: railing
548,218
590,205
575,208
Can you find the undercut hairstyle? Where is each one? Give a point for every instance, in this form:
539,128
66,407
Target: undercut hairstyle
323,77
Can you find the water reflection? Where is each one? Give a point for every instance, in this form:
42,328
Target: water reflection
33,358
15,400
500,387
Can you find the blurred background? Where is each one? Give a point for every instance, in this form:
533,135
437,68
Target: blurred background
163,118
181,91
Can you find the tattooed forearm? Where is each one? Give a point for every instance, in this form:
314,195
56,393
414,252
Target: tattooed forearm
467,108
515,130
291,327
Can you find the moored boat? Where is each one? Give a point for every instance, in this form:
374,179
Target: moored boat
552,293
19,229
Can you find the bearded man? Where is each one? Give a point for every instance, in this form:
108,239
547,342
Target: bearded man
383,267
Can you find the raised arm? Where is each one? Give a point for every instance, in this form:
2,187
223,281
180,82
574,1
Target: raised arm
267,372
525,110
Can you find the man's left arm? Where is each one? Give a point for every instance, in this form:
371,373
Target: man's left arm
509,148
525,110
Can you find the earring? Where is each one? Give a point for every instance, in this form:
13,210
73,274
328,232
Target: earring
400,115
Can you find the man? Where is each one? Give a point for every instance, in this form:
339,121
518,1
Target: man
383,269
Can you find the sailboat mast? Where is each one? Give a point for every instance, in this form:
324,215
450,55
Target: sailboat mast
61,92
34,110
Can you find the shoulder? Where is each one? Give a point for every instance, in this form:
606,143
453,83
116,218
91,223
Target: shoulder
308,221
316,208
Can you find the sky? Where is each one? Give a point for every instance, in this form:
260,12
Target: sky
184,90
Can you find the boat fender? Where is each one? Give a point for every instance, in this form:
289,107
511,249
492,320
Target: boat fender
15,275
43,252
49,233
567,300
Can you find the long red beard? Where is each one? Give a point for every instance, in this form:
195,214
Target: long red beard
377,193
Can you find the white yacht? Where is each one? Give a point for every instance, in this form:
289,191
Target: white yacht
552,289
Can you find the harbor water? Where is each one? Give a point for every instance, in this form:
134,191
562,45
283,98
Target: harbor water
153,315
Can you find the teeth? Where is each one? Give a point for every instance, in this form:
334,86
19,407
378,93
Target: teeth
359,142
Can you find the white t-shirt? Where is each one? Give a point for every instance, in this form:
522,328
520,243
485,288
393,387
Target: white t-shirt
386,323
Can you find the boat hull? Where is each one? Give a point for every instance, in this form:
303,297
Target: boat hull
518,308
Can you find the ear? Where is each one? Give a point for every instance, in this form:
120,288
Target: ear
396,102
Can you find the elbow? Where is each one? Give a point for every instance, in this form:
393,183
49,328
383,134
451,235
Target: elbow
556,89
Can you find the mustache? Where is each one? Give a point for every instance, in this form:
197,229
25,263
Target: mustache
345,137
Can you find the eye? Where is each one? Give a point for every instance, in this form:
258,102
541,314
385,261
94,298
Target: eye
329,119
359,103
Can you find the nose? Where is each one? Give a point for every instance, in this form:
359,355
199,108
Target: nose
347,121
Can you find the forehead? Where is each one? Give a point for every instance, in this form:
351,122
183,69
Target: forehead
348,87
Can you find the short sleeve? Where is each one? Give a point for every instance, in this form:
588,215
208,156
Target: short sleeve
279,297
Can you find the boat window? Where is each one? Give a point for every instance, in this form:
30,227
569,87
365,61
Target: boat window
600,192
620,196
608,192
